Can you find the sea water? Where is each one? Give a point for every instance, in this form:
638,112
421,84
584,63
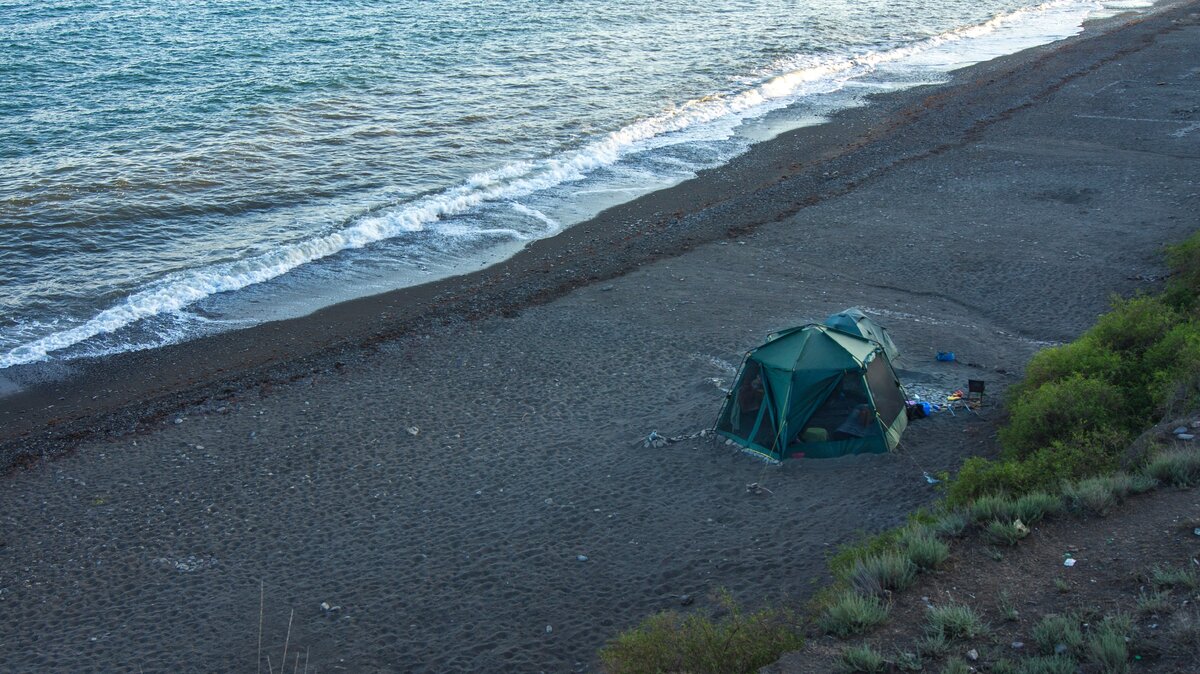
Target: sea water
173,169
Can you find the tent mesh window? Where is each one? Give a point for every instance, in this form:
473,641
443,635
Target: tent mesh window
845,414
747,402
889,400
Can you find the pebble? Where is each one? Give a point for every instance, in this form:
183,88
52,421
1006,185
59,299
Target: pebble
1018,645
686,599
1185,436
178,420
972,655
582,558
549,629
1181,429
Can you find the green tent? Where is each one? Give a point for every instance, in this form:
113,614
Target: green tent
856,322
817,392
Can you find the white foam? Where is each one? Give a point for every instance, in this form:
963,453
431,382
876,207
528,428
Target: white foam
712,117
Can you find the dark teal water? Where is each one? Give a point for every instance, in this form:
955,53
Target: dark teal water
171,169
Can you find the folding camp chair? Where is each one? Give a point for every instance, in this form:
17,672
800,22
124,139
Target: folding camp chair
975,392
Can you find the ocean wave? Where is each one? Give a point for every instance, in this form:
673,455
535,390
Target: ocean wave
711,117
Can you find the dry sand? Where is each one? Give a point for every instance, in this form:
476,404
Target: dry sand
990,216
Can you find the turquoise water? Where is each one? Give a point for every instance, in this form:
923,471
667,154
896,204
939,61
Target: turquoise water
171,169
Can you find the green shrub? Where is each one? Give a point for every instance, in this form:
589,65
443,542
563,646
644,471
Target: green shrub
1005,533
924,549
852,613
1134,325
908,662
956,666
863,659
1162,576
1049,665
951,524
1060,411
1005,666
1183,259
1154,603
1084,455
993,507
670,642
1176,467
1107,647
847,558
954,621
1053,630
933,645
1032,508
1123,484
1004,603
1083,356
884,571
1094,495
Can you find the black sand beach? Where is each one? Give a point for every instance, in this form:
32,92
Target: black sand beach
432,464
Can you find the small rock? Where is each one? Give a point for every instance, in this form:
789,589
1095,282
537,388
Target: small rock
1187,437
178,420
1070,561
972,655
686,599
413,430
549,629
581,558
606,289
1181,429
1018,645
1196,424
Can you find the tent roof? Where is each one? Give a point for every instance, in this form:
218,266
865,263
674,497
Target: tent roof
813,347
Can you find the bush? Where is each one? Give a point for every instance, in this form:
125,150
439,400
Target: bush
1053,630
1032,508
1049,665
1183,259
933,645
956,666
1155,603
924,549
670,642
1084,455
954,621
1095,495
852,613
1084,355
950,525
993,508
885,571
1123,484
1161,576
1176,467
1106,645
1060,411
1132,326
863,659
1005,533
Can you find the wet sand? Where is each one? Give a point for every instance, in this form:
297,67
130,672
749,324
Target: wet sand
434,462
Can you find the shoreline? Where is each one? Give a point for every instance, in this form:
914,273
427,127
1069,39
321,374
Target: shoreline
49,407
459,483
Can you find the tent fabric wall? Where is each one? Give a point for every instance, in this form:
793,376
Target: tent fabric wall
855,322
